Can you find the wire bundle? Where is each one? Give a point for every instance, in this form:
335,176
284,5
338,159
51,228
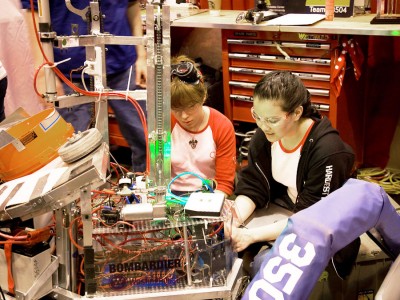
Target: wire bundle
388,179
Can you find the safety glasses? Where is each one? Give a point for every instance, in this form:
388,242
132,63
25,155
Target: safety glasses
271,122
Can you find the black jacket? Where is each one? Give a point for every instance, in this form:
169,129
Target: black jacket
325,164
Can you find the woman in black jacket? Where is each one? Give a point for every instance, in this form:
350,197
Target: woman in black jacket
295,157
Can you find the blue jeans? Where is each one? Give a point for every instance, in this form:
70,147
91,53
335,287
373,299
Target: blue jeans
81,116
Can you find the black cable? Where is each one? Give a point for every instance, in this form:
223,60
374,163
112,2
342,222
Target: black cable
2,294
382,245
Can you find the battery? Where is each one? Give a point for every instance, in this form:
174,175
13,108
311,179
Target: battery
28,263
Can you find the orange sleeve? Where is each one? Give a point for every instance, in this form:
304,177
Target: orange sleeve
225,162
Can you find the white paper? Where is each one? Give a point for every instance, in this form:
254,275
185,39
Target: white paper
296,19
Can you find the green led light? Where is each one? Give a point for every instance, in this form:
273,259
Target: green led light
167,146
395,32
160,159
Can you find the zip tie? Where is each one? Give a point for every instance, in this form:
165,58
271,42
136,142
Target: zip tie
55,64
129,82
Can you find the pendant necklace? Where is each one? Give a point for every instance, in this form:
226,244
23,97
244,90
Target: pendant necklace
193,141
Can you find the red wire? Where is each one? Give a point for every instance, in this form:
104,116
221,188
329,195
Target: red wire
79,247
35,79
104,192
14,242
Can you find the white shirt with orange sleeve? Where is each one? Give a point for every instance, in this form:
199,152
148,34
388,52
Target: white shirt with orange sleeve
285,164
210,153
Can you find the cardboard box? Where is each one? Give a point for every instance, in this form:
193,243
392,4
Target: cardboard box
343,8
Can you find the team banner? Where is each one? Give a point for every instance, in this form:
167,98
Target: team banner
342,8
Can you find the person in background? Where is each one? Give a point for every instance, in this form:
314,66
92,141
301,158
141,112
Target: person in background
3,90
295,158
203,139
122,18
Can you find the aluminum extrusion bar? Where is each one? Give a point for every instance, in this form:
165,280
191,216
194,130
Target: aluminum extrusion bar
99,39
159,98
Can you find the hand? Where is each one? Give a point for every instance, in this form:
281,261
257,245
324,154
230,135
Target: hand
141,72
241,238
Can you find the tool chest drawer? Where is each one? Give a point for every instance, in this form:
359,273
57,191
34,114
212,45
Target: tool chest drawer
248,55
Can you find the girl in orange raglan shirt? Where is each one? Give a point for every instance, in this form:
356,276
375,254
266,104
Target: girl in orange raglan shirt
203,139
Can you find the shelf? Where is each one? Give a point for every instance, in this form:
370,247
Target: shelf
357,25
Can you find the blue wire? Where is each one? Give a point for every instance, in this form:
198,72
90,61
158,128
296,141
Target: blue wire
193,174
183,200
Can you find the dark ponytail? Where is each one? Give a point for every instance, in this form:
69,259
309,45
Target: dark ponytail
309,110
289,89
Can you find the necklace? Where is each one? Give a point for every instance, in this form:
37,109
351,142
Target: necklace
193,141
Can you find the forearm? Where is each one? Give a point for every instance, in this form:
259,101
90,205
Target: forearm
244,207
37,55
243,237
135,21
225,159
268,232
225,186
225,169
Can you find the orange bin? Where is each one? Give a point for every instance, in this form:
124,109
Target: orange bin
34,143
